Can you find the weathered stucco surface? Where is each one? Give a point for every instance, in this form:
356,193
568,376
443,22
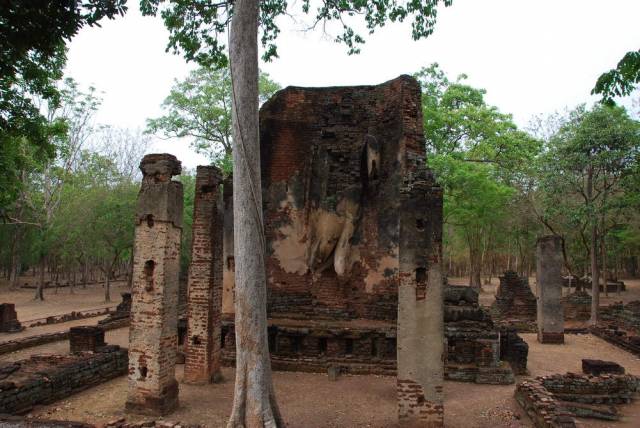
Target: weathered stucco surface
550,313
153,335
333,161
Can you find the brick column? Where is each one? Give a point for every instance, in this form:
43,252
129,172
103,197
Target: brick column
204,299
153,339
420,305
549,264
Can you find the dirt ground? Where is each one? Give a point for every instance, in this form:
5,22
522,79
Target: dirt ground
60,302
311,400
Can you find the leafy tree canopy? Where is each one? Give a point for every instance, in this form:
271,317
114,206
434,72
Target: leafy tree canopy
32,56
197,27
619,81
199,107
477,153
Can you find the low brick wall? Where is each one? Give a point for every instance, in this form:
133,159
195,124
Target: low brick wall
603,389
622,339
42,339
625,316
541,407
554,401
43,379
28,342
577,306
70,316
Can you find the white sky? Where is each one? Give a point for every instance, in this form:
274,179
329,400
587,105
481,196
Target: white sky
532,56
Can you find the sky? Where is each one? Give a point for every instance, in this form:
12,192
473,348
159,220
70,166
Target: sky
532,57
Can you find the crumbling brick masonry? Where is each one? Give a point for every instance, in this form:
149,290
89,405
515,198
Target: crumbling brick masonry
515,304
153,338
43,379
204,301
9,318
553,401
86,338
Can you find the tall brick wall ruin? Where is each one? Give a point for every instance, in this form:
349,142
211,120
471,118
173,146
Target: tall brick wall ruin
204,300
153,339
333,162
351,217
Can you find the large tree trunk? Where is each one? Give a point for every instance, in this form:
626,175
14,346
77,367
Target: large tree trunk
254,402
595,274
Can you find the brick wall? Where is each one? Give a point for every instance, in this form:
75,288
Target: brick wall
47,378
204,301
323,149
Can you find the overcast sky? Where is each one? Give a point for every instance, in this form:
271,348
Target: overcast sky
532,56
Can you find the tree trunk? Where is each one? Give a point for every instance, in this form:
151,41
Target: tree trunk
40,287
85,274
475,260
107,284
16,265
130,272
615,264
603,248
603,244
254,401
595,274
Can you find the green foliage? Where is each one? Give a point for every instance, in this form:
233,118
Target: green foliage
619,81
197,27
458,122
479,157
188,180
95,216
199,107
603,143
32,56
